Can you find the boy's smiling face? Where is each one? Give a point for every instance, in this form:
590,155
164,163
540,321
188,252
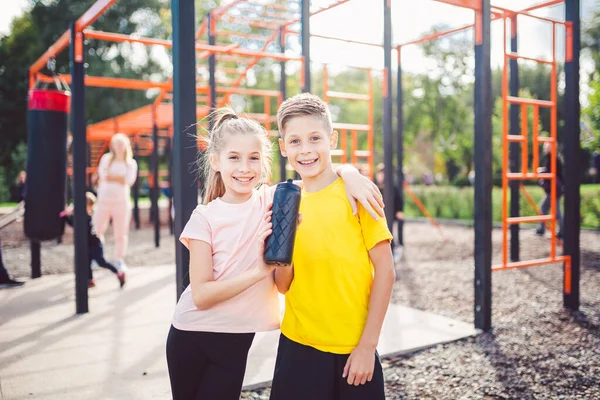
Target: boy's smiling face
307,145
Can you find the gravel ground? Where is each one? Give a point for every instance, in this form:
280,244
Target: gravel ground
537,350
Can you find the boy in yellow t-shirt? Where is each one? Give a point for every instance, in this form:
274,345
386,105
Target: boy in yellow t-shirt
339,287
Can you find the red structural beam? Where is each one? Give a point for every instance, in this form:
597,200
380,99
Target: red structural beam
117,83
91,15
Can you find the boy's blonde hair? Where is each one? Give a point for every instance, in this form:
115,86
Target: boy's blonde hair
304,104
228,123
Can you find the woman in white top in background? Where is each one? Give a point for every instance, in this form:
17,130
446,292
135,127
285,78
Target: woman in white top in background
116,173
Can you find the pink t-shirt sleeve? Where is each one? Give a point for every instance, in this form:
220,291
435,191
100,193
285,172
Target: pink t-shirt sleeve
197,228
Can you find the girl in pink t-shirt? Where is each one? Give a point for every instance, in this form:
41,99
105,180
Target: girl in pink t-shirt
232,293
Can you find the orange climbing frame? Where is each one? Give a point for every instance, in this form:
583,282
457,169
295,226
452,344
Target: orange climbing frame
523,140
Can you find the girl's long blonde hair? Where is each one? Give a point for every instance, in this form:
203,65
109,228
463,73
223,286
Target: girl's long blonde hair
228,123
121,137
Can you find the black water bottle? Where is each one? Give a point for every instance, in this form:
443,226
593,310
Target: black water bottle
280,244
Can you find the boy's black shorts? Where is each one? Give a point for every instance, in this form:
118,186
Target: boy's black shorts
303,372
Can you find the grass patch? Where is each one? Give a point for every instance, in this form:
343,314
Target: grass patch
449,202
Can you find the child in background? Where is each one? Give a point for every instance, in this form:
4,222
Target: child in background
232,293
339,287
95,250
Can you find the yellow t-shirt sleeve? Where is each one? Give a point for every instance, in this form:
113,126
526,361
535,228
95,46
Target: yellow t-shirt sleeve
373,231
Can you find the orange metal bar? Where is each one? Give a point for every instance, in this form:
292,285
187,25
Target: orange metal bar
52,52
325,84
515,138
536,209
257,57
422,208
267,111
539,60
531,102
117,37
525,220
517,176
344,146
569,42
553,121
117,83
329,7
527,14
312,35
531,263
238,90
354,147
525,143
536,129
358,127
370,131
567,278
505,148
543,5
243,52
93,13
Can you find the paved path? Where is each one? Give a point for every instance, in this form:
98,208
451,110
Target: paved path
117,351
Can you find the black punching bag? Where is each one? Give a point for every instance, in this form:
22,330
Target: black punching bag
47,124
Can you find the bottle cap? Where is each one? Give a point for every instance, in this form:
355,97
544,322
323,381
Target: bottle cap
289,184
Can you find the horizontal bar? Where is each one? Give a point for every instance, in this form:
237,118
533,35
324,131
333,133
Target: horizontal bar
244,52
362,153
238,90
516,176
515,138
526,14
532,102
351,127
337,152
116,83
52,52
118,37
518,56
525,220
348,96
313,35
543,5
545,139
530,263
93,13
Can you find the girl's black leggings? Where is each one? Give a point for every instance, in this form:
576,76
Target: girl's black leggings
207,365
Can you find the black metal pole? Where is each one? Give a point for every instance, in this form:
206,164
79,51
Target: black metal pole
136,186
169,154
305,34
212,69
388,149
36,259
572,153
78,127
184,128
283,91
400,144
483,170
155,188
515,148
